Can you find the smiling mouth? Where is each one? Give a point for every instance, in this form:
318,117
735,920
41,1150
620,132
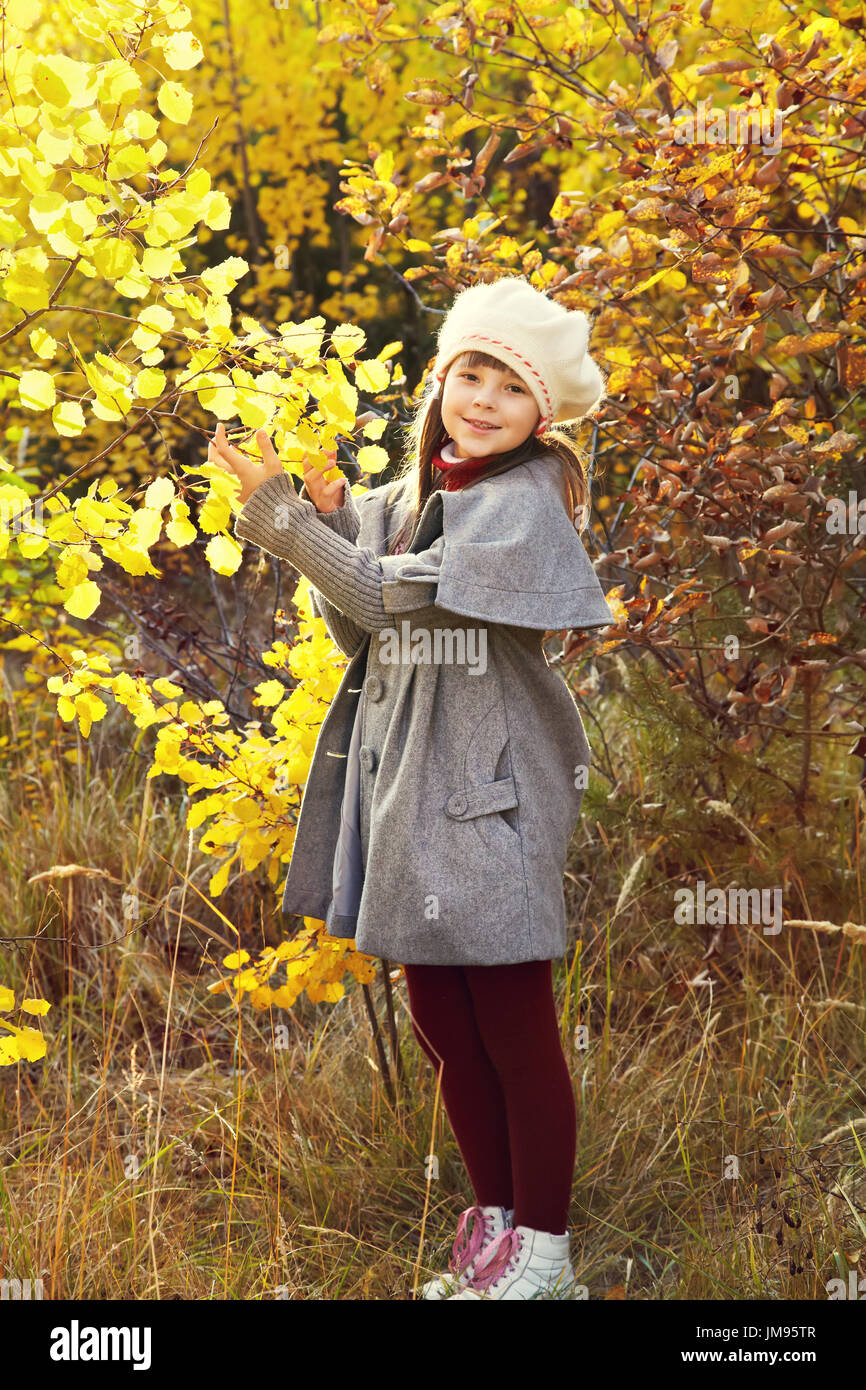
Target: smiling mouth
481,425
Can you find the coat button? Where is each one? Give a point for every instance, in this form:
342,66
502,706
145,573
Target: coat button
456,804
368,757
373,688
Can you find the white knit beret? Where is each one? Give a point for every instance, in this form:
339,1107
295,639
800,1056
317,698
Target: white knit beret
545,343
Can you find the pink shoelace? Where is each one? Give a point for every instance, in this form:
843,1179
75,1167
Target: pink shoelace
498,1257
466,1247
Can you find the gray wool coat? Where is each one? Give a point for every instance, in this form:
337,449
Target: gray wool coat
466,747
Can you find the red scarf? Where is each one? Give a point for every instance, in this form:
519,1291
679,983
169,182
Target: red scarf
452,475
459,471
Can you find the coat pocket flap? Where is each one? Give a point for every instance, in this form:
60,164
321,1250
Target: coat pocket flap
477,801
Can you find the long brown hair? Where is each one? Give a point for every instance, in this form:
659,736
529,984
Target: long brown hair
426,434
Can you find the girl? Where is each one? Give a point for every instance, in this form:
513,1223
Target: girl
450,768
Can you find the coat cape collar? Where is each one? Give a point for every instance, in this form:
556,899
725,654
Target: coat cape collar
505,551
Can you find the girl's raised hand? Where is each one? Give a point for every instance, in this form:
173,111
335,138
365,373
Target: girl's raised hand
326,497
251,474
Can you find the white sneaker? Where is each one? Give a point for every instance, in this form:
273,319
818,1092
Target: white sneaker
486,1224
522,1263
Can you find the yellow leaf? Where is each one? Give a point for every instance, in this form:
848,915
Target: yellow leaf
42,343
89,708
36,390
183,51
794,344
389,350
7,998
127,162
141,125
175,102
159,493
217,212
112,257
145,527
83,600
30,1044
303,340
26,283
35,1006
158,261
223,554
796,432
823,24
371,375
46,210
221,279
180,529
678,281
71,568
163,686
270,692
150,383
219,880
68,418
49,84
609,223
349,340
372,458
383,166
154,321
701,173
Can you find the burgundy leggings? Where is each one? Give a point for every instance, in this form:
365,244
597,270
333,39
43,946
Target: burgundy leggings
506,1086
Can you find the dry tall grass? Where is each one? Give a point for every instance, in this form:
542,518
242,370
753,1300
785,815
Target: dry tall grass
166,1148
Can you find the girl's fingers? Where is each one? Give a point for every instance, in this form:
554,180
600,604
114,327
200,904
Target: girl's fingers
269,453
217,460
220,443
314,471
226,451
219,448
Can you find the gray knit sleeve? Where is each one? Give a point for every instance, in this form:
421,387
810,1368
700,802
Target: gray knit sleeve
345,520
344,633
348,576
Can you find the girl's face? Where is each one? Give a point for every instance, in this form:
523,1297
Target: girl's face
488,396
